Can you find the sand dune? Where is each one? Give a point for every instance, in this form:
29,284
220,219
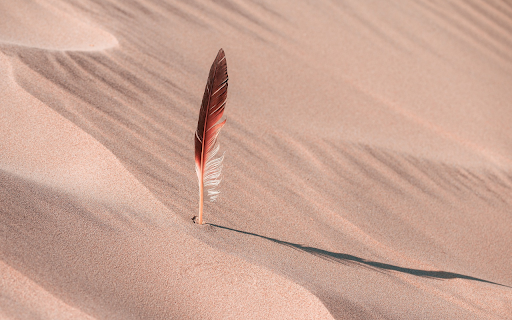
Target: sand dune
36,24
368,169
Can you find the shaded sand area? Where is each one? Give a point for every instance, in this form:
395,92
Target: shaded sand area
368,168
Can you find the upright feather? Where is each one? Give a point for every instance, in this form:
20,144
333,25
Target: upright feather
208,168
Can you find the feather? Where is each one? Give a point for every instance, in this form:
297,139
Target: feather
208,168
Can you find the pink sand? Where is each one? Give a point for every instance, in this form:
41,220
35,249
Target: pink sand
368,167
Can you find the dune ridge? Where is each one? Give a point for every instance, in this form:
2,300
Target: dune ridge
367,172
37,24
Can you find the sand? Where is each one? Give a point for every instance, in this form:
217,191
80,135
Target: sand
367,173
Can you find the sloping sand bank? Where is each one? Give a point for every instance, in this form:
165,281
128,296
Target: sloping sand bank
368,168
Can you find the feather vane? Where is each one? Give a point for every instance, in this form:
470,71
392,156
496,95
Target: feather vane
209,168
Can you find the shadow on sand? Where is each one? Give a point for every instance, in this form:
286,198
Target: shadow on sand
348,259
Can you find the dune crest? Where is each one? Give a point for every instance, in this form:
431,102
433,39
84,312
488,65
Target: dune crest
56,153
31,23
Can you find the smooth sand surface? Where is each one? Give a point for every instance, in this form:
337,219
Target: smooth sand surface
367,174
36,24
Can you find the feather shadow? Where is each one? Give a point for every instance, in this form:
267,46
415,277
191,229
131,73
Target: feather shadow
348,259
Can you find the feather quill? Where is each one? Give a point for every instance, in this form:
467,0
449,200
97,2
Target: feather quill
208,167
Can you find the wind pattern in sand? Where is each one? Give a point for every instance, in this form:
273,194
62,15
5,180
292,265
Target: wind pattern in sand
208,168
